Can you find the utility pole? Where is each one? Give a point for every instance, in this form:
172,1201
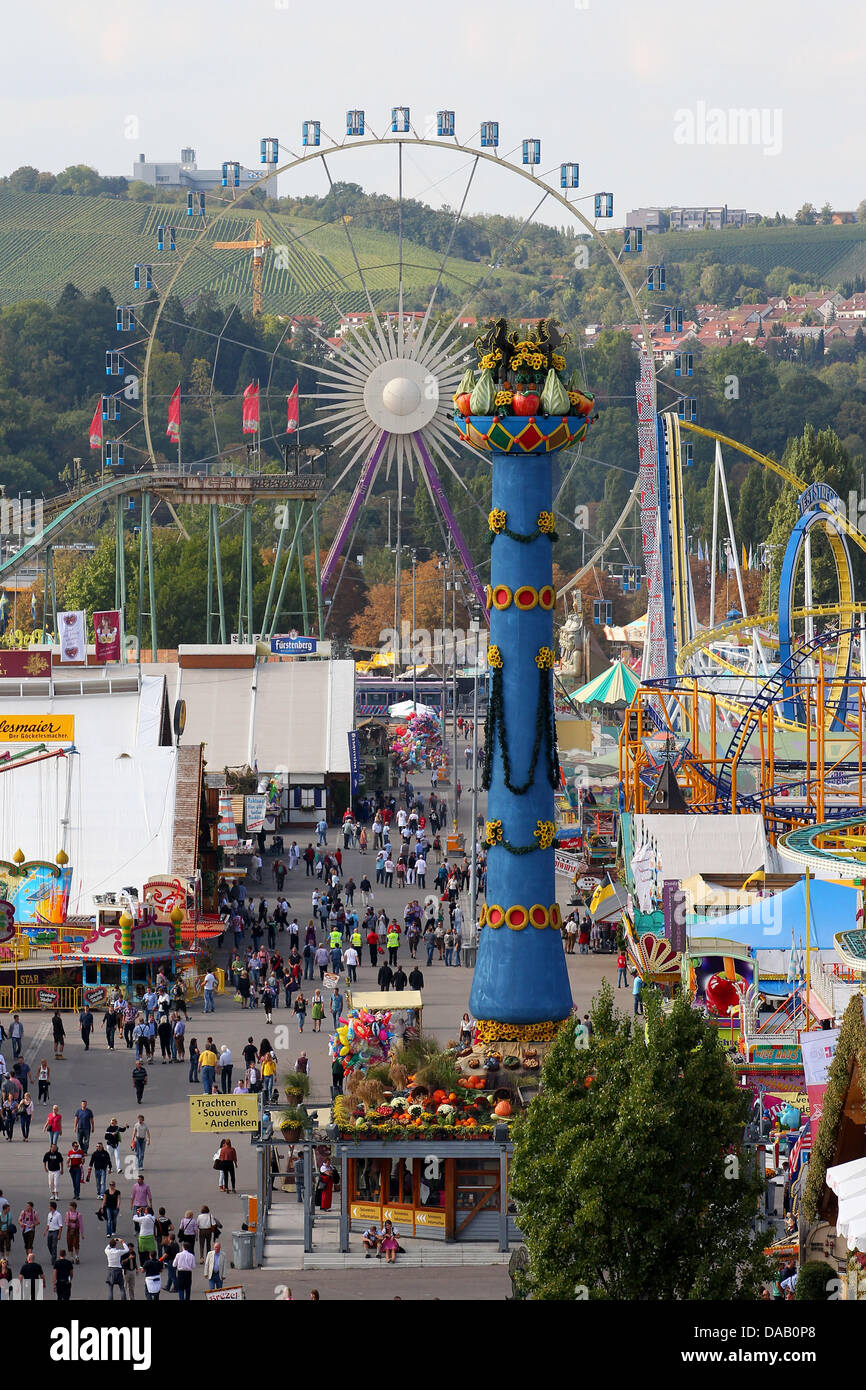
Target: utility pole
454,681
474,624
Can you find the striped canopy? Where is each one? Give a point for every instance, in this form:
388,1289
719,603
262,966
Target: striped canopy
615,686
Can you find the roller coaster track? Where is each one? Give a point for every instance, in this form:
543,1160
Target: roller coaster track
175,488
848,857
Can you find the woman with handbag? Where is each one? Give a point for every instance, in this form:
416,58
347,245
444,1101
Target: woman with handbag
206,1224
299,1009
226,1161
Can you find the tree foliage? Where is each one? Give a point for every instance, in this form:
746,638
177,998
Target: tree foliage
633,1185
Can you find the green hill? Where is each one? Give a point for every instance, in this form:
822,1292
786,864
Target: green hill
48,240
831,253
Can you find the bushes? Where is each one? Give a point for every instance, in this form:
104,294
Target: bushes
817,1282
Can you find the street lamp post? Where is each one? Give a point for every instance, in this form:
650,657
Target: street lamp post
414,644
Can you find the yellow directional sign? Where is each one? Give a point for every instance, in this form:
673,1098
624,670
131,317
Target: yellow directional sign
209,1114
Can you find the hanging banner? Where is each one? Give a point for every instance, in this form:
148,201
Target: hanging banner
254,814
106,627
292,404
96,427
18,663
227,832
207,1113
251,408
71,632
642,873
674,909
354,761
173,430
817,1051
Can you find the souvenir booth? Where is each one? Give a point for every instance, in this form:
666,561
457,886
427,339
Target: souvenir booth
134,938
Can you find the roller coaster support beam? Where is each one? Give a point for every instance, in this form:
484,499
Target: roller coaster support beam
295,547
320,631
145,560
120,574
214,571
50,591
245,597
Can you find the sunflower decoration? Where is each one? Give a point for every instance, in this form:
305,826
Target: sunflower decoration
536,361
496,520
503,397
544,659
546,523
558,361
489,360
545,833
493,832
494,658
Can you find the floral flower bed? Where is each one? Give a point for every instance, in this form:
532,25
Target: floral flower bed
448,1116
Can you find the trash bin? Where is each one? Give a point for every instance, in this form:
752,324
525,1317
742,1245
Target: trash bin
243,1249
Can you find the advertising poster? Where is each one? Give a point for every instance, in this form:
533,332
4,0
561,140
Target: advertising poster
72,635
106,627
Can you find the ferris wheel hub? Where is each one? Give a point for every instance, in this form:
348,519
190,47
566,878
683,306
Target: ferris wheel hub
401,395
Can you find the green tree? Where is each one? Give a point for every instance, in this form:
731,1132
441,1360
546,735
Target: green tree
806,216
827,215
628,1167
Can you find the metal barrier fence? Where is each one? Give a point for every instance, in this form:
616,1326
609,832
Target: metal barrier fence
47,998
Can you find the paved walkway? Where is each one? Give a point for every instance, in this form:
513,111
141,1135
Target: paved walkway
179,1164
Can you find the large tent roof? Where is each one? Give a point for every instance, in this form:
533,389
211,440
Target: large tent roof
615,686
768,923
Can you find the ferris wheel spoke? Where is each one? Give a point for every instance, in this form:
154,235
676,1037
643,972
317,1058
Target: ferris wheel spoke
362,488
373,315
457,217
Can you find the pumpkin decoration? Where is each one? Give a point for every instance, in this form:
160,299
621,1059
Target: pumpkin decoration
502,1108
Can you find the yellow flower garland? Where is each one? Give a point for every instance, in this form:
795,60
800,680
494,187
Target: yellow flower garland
496,520
544,659
545,833
493,832
494,658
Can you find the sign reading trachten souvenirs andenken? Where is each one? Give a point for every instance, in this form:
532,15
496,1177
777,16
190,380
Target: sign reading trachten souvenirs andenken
37,728
214,1113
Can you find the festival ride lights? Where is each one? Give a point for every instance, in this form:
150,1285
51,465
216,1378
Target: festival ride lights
520,411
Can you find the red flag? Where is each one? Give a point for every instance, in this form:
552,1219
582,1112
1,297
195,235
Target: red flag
173,430
292,402
251,408
96,427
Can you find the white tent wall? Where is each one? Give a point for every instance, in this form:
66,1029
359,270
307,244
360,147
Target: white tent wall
689,845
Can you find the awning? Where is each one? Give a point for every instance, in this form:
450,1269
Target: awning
848,1181
615,686
385,1001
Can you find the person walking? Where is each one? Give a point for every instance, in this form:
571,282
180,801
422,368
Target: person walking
16,1034
53,1227
318,1011
73,1232
24,1111
392,941
59,1035
75,1166
28,1223
140,1141
621,970
299,1009
110,1208
114,1253
637,994
416,978
184,1264
226,1066
227,1161
152,1270
139,1080
83,1121
215,1266
113,1131
208,989
100,1163
207,1225
194,1057
63,1274
85,1025
53,1126
43,1077
129,1266
207,1067
52,1162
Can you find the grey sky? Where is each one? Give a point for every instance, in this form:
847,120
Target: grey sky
604,82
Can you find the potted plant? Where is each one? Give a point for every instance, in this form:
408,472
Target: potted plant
292,1124
296,1085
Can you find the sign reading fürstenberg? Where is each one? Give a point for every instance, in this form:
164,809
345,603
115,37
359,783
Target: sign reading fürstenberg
214,1113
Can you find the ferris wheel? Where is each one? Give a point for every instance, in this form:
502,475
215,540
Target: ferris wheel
388,317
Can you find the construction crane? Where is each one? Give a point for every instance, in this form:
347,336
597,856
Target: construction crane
258,247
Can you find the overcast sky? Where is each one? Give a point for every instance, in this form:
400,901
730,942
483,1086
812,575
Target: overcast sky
629,90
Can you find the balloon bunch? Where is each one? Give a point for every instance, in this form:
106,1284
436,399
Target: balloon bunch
417,742
362,1040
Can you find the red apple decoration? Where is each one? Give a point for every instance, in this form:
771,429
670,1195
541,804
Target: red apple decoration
721,995
525,401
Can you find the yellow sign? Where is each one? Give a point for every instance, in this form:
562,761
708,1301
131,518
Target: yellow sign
429,1218
209,1114
37,728
362,1211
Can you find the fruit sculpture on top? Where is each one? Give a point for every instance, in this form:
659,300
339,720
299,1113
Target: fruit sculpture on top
521,376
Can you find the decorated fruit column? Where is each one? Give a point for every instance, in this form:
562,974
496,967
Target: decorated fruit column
520,989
